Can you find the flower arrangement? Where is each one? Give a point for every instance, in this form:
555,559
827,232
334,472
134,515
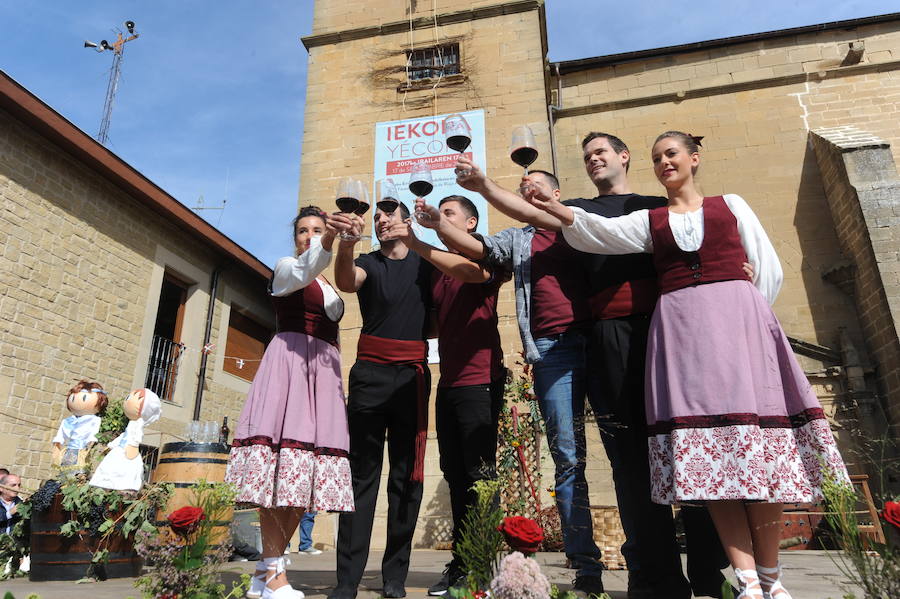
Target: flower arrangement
872,566
480,539
188,559
522,534
520,578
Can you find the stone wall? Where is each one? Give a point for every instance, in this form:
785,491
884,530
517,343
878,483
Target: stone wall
79,287
863,191
755,103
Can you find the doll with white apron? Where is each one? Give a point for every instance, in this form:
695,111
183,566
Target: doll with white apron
123,469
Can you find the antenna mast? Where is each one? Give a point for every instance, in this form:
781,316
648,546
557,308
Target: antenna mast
118,50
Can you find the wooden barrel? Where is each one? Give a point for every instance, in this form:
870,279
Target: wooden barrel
183,464
800,527
55,557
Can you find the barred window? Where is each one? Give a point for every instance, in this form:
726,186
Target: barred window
431,63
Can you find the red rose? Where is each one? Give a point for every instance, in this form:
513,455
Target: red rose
522,534
891,513
186,520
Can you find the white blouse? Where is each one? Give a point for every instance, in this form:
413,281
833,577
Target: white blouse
293,274
630,234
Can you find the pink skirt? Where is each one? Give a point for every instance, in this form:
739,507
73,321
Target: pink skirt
291,444
730,413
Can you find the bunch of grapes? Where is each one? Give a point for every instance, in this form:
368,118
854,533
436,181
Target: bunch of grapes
95,518
43,497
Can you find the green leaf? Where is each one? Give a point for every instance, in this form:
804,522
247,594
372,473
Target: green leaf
147,526
107,524
70,528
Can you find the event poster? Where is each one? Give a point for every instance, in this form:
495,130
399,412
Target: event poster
400,144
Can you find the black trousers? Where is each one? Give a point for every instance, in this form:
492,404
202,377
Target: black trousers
382,404
466,423
617,356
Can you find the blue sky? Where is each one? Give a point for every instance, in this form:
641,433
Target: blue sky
211,97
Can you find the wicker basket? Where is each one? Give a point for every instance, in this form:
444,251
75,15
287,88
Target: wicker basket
609,536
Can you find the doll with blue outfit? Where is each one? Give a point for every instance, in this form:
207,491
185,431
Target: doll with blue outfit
86,401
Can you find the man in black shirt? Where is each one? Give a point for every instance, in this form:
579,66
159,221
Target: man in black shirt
388,387
623,295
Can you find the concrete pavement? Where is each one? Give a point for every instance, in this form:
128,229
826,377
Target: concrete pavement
808,575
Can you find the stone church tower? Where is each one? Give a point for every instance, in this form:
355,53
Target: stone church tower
374,61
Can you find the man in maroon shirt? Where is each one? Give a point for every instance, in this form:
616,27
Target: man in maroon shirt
470,390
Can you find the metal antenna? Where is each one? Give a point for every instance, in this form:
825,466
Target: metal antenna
115,71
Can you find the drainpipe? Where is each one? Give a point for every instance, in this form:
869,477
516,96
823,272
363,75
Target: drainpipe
551,117
204,356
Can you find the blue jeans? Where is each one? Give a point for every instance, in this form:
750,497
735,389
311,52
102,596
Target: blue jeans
306,527
560,384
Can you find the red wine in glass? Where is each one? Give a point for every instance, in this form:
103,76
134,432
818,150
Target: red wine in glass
420,184
361,208
524,157
420,188
349,205
523,148
459,143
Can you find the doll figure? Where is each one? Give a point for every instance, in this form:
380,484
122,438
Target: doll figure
122,468
86,400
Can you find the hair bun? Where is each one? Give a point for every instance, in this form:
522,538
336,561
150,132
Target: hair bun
696,139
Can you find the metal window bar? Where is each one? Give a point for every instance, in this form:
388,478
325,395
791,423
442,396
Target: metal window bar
431,63
162,370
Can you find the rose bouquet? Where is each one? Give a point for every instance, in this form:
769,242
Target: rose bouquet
188,559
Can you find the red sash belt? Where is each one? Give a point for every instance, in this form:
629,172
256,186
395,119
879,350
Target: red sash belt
412,353
631,297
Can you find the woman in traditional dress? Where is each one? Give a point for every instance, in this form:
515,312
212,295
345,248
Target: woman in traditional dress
732,419
290,450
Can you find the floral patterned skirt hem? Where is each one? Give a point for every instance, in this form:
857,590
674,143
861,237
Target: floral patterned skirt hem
312,479
744,462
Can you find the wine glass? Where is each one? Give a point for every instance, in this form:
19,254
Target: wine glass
457,135
352,198
347,195
387,196
420,184
523,148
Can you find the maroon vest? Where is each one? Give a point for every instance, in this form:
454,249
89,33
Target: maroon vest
304,312
720,257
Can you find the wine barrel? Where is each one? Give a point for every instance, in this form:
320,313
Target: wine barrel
800,527
183,464
56,557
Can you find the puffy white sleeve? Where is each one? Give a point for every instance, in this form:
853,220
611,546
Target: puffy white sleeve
134,432
767,273
292,274
628,234
63,433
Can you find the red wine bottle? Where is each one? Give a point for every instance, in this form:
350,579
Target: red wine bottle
459,142
347,205
361,209
420,188
224,432
524,156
